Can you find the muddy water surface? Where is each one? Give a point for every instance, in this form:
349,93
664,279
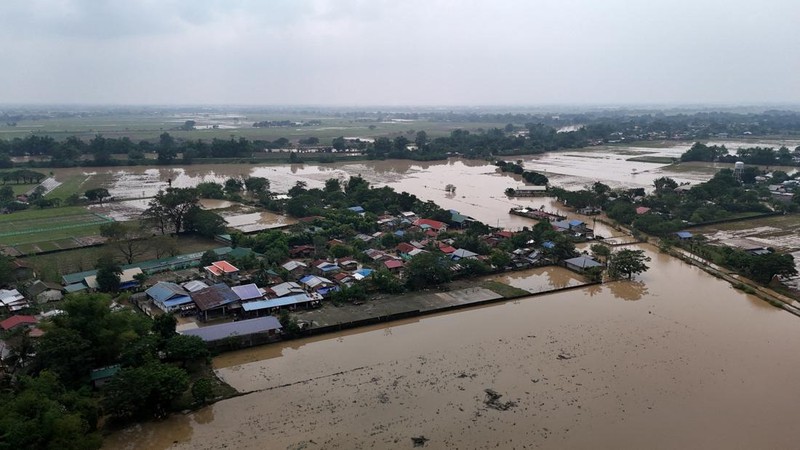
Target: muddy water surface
678,360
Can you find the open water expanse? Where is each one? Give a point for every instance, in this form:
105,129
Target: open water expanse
675,359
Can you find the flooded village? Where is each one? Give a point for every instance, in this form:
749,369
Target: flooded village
447,312
673,353
338,224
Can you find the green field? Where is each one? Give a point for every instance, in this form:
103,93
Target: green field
140,127
46,225
52,266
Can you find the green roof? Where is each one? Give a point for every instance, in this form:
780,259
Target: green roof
105,372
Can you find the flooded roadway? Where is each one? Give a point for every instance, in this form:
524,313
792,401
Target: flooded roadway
676,360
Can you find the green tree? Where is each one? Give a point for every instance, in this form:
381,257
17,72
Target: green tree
126,238
145,391
186,349
6,269
164,326
256,185
41,414
202,391
108,274
665,184
97,194
233,186
170,207
210,189
166,149
338,143
764,268
627,263
205,223
428,269
600,251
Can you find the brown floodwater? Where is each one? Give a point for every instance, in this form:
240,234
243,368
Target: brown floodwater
540,279
479,193
676,359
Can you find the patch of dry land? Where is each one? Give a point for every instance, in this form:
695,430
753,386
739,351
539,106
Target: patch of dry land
678,359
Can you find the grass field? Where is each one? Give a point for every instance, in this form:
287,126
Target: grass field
51,267
43,225
150,127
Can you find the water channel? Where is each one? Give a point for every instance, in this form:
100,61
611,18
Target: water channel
675,359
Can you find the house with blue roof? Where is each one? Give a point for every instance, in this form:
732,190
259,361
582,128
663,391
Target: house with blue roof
356,209
684,235
169,297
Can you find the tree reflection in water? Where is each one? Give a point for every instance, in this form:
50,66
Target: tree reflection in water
628,290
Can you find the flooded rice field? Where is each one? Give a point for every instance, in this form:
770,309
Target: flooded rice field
778,232
691,363
479,192
540,279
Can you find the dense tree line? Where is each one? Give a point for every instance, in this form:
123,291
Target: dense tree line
49,403
523,134
750,155
529,176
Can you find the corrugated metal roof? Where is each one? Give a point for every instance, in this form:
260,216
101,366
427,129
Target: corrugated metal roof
194,286
240,328
276,302
583,262
164,290
214,297
247,291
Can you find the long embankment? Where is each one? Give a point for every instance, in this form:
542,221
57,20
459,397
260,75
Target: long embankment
739,282
387,309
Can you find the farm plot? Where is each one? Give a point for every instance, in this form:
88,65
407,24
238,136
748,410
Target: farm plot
49,229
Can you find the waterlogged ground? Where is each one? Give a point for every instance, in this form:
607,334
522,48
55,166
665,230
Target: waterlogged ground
678,359
479,186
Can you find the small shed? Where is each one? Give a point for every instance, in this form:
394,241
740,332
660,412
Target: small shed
581,263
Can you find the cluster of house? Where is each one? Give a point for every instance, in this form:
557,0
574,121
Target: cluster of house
575,228
221,293
784,191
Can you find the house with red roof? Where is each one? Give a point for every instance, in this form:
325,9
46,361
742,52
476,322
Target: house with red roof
222,271
642,210
405,247
446,249
18,321
430,224
393,265
505,234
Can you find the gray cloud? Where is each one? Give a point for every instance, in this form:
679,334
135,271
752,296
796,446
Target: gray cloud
399,52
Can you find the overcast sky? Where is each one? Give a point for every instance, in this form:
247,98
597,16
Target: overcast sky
399,52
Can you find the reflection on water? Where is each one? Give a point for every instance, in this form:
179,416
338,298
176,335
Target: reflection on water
540,279
628,290
480,187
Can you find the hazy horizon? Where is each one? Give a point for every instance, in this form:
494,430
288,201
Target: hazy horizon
417,53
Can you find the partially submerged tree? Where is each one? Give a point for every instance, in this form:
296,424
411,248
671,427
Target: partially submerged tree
97,194
627,263
170,207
